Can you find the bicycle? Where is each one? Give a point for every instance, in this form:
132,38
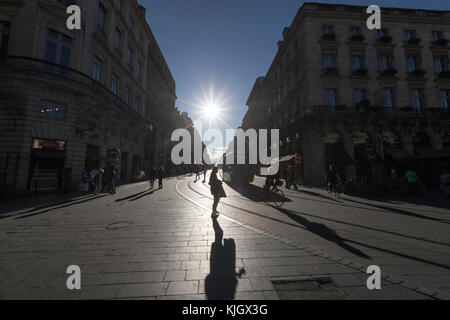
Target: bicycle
275,195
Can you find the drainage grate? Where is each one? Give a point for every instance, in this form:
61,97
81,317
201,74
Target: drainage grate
321,288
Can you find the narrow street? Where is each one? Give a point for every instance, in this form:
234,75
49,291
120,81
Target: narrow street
163,244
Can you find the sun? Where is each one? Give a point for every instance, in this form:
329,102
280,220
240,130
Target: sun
211,111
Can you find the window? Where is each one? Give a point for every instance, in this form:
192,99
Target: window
436,35
130,56
388,98
139,70
138,104
357,62
330,97
445,96
355,31
410,34
5,28
440,64
328,30
117,39
59,48
382,33
358,96
114,84
101,18
52,110
97,70
127,95
384,63
413,63
417,100
328,61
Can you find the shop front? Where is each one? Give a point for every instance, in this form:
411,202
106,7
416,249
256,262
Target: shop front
47,163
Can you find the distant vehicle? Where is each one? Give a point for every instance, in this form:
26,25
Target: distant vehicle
237,173
140,176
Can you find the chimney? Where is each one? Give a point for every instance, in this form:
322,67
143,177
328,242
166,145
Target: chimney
285,31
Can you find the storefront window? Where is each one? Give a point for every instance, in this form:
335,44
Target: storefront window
49,144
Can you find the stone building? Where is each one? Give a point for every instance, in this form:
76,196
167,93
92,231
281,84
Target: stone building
81,99
363,100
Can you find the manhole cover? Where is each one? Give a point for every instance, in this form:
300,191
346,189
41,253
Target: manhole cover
124,225
322,288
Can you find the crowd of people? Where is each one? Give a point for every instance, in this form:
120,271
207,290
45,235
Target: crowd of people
99,180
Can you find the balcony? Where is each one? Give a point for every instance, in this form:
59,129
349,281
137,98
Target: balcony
28,67
418,73
440,43
365,110
329,37
444,75
385,40
331,71
361,72
357,38
413,41
390,72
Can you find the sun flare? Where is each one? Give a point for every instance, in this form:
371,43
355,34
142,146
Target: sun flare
211,111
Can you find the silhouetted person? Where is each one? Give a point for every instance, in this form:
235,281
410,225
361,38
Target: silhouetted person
152,177
216,190
160,176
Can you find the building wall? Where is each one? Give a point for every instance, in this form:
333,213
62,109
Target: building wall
295,83
90,117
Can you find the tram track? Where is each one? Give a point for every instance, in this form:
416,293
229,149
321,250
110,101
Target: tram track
430,292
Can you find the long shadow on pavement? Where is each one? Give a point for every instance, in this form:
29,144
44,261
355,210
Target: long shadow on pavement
222,281
329,234
400,211
324,232
52,208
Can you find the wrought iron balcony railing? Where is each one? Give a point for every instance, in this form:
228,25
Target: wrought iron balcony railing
27,65
375,111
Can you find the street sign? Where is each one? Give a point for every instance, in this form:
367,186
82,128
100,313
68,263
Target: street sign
113,153
370,149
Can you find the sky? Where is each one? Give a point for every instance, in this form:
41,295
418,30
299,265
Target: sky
217,48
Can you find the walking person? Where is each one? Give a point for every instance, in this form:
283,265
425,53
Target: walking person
197,173
160,176
332,179
98,181
216,190
291,178
152,177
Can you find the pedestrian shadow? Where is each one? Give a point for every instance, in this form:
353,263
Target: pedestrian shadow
319,195
400,211
56,207
131,196
222,280
324,232
149,193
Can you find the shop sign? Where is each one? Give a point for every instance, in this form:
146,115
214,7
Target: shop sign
113,152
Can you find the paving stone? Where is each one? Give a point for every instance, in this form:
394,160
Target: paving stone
182,288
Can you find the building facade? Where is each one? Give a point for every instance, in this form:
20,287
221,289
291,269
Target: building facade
81,99
357,98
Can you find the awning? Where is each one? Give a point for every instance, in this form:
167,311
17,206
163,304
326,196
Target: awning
338,155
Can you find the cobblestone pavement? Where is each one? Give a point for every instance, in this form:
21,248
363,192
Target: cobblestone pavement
163,244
